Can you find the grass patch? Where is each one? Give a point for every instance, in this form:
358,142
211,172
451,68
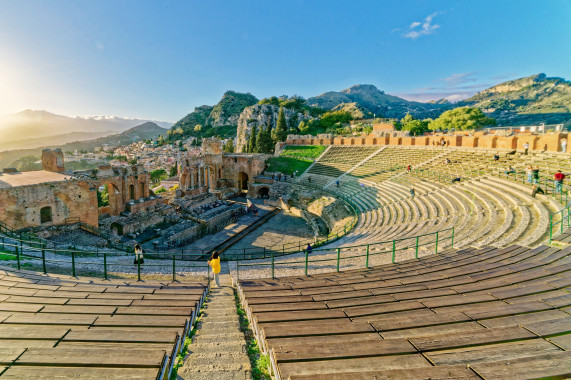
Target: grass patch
288,165
303,151
7,256
260,363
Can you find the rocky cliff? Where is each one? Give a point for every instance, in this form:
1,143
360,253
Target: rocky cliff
260,115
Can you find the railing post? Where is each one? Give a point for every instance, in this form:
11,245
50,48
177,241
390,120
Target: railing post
416,249
73,263
436,244
394,250
273,269
105,265
306,261
452,242
238,268
138,268
18,257
367,258
338,258
173,267
44,258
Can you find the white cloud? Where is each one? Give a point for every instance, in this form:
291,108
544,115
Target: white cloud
424,28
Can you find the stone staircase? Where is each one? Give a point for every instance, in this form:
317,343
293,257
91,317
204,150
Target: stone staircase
218,350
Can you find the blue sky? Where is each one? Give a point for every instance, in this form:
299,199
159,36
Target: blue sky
160,59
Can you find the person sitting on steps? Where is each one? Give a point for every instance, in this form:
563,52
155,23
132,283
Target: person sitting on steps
309,249
214,262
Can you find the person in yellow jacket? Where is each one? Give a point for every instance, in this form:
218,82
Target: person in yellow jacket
214,262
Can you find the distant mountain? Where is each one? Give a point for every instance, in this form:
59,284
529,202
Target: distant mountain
38,124
144,131
52,140
377,102
529,100
225,113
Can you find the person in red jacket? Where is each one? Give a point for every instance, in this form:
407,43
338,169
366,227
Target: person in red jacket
558,178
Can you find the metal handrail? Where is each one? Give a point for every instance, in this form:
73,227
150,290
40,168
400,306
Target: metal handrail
563,221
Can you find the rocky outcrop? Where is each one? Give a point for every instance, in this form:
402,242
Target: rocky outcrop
261,115
229,108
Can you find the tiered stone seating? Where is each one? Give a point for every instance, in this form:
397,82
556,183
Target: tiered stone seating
58,326
392,161
473,313
339,159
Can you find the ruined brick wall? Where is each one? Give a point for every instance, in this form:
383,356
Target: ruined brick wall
547,142
20,206
52,160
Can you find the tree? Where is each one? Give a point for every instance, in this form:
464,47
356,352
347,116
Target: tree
103,196
173,171
197,128
252,140
229,146
414,126
303,127
264,142
158,175
462,118
292,125
132,161
280,132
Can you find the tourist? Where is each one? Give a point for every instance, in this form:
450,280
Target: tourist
409,168
337,183
412,192
535,175
496,156
510,170
279,177
309,249
536,189
529,173
214,262
456,179
558,178
443,143
564,145
309,179
138,255
526,148
447,161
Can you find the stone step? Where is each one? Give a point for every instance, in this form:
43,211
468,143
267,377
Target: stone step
214,358
219,313
220,326
238,346
209,373
222,318
216,337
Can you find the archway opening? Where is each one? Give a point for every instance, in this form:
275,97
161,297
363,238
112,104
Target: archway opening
264,193
46,214
116,229
103,195
131,192
243,182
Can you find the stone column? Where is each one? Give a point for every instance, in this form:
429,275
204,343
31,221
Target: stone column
199,176
191,178
208,176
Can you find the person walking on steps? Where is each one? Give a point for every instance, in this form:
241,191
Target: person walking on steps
529,173
214,262
138,255
536,189
535,175
558,179
526,148
412,192
337,183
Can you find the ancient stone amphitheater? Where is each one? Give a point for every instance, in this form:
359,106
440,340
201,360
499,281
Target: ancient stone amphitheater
464,279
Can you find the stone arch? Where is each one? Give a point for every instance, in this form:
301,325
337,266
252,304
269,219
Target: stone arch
116,229
264,192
